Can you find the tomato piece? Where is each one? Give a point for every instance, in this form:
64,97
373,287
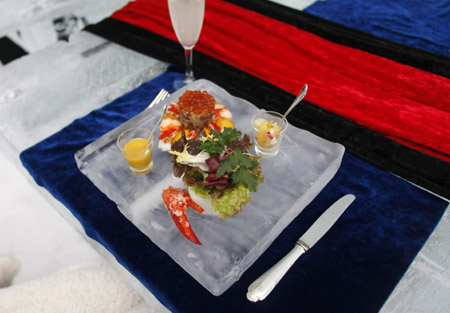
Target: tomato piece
174,109
216,127
192,134
167,133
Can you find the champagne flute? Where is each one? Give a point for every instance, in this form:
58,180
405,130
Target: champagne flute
187,21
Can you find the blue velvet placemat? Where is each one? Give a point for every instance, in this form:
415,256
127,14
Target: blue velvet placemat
353,268
420,24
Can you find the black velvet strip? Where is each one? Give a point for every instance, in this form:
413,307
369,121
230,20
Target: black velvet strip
417,167
9,50
350,37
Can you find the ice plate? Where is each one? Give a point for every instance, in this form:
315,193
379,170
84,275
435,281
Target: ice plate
305,164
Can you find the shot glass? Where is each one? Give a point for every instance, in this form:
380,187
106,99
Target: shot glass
268,129
136,145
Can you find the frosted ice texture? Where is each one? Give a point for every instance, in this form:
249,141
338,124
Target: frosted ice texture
296,175
45,91
424,287
426,284
15,14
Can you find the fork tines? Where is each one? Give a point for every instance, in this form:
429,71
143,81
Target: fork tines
163,94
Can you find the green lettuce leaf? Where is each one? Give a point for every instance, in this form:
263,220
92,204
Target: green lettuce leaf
202,192
230,203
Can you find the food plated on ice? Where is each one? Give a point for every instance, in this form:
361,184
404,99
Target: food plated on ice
212,159
194,112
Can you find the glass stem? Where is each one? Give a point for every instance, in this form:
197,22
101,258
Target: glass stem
189,71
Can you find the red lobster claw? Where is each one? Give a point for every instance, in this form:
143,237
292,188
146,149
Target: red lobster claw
177,200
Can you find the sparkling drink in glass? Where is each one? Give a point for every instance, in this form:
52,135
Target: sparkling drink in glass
187,21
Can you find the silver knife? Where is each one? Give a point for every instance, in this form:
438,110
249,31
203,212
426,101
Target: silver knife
261,287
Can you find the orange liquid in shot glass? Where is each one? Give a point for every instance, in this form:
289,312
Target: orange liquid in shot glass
138,155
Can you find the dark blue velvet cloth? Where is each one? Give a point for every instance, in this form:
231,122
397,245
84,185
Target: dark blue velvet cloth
353,268
420,24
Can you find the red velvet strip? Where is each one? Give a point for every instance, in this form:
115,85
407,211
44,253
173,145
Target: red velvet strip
406,104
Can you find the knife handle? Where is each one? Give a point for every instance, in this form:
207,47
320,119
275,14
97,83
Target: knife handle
262,287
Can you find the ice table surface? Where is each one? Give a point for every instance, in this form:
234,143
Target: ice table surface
43,92
305,164
424,287
15,14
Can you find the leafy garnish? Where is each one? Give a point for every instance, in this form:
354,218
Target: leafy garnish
239,165
227,165
247,178
217,141
234,161
245,160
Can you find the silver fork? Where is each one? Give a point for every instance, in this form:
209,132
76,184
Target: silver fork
163,94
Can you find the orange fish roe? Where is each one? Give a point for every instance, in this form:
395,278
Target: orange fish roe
197,102
196,109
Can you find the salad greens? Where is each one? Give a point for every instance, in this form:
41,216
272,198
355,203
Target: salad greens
217,141
230,203
228,173
235,162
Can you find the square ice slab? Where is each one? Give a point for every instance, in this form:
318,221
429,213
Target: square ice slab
305,164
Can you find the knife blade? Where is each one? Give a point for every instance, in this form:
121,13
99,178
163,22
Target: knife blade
262,287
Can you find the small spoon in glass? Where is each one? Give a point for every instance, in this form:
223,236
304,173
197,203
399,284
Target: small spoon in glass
297,100
160,119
